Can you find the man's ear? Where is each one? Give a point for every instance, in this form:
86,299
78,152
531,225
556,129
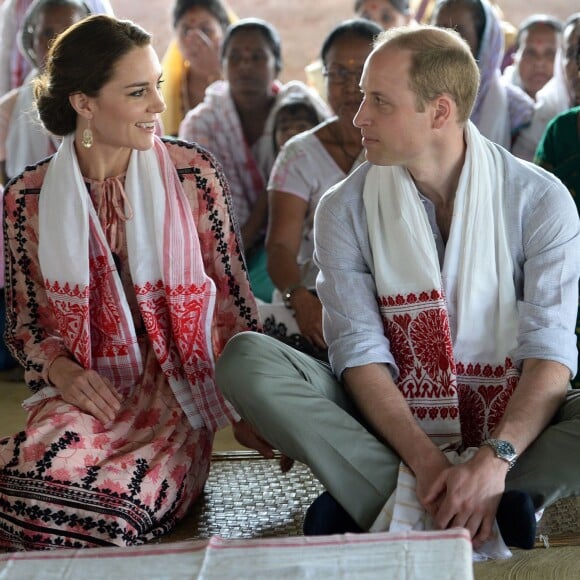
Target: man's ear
443,110
82,105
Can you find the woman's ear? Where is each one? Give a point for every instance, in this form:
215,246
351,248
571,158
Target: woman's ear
81,104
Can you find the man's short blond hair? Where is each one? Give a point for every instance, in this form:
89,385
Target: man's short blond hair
441,63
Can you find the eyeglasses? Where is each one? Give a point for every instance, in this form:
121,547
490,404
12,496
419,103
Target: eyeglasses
341,76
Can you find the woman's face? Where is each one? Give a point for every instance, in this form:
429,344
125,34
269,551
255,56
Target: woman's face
383,13
198,22
571,61
343,70
126,110
460,18
51,22
249,64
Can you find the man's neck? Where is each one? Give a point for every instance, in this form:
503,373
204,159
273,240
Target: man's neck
437,179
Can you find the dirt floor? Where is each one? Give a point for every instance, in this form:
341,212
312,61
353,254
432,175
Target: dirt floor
302,24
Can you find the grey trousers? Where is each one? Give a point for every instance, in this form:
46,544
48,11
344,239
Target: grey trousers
300,407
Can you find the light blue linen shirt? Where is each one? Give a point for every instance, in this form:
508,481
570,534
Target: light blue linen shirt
544,240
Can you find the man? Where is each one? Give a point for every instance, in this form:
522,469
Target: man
537,44
449,280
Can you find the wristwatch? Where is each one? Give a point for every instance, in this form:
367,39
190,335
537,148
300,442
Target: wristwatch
503,450
288,294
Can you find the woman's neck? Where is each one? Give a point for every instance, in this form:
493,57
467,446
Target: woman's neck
99,163
253,116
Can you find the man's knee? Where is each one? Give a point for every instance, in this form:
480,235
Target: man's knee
237,361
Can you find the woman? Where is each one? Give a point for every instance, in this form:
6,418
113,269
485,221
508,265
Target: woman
192,61
307,166
501,109
118,316
23,141
14,66
235,122
386,13
560,93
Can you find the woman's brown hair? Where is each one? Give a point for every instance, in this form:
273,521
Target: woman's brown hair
81,60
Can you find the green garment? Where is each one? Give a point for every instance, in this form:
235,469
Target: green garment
262,285
559,153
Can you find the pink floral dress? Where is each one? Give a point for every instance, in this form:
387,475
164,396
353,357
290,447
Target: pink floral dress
67,480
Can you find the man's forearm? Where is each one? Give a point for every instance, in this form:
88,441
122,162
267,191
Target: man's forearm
540,392
384,407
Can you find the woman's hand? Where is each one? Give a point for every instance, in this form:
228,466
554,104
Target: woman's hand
202,55
85,389
308,311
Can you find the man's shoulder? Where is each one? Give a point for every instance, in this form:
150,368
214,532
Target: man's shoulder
522,171
531,186
349,191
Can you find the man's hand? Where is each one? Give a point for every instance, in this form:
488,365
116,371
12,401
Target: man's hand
467,495
85,389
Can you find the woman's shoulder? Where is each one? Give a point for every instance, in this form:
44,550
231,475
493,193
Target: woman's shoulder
189,157
29,181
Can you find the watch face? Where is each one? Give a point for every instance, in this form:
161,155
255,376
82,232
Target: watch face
505,448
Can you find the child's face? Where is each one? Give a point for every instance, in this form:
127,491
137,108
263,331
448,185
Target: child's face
290,124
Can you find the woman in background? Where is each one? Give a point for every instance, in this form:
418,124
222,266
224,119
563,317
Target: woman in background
559,94
23,141
235,122
14,67
192,61
501,109
386,13
307,166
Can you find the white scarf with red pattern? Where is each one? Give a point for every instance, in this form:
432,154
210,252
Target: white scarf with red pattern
452,329
175,296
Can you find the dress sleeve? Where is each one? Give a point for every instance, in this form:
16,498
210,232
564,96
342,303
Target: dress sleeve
206,187
31,329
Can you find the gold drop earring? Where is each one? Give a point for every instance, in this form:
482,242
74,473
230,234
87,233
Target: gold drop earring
87,140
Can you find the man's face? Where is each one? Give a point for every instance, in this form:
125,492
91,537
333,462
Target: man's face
393,131
535,57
